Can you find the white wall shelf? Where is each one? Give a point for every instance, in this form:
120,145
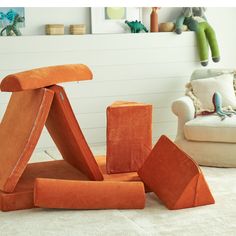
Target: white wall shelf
151,68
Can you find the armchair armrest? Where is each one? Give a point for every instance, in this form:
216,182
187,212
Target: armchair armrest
184,109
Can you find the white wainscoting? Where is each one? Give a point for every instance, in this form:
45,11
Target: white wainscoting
150,68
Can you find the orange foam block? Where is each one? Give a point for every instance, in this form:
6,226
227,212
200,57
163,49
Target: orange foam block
20,130
129,176
22,197
175,178
67,135
71,194
44,77
129,136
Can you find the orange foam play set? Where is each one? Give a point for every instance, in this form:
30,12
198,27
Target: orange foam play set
117,181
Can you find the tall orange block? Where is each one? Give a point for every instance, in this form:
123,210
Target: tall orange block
129,136
175,178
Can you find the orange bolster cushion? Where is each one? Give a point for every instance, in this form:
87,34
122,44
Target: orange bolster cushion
45,76
22,197
69,194
175,178
129,136
20,130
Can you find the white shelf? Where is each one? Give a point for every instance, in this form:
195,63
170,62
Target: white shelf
29,43
149,34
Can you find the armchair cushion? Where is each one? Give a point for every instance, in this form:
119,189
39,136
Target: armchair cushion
211,129
204,89
204,83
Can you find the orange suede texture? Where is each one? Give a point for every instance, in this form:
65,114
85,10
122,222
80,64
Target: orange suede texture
21,127
69,194
128,176
129,136
22,197
175,178
67,135
46,76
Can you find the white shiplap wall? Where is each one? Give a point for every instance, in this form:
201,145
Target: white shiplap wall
151,68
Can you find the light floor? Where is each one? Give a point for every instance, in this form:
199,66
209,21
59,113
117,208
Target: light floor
155,219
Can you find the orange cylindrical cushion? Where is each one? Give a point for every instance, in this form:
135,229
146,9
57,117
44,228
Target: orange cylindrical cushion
22,196
45,76
69,194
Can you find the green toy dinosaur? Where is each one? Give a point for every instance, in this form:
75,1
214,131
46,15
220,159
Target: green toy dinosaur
195,19
136,26
13,29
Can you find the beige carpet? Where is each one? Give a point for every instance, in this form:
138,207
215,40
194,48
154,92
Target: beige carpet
155,219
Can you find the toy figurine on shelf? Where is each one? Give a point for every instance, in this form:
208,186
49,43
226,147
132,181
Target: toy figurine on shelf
13,29
136,26
195,19
154,20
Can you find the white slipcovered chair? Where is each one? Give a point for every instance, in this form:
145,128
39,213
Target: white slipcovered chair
207,139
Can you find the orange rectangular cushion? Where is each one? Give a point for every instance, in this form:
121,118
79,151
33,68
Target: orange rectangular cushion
22,197
20,129
69,194
175,178
46,76
129,136
67,135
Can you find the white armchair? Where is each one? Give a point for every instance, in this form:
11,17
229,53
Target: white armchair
207,139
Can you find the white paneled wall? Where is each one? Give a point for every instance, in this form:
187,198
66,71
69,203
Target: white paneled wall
151,68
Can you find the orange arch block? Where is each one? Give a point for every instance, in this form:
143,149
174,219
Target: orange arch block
45,76
175,178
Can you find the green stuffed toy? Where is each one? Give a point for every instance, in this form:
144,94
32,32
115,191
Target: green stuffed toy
196,21
136,26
